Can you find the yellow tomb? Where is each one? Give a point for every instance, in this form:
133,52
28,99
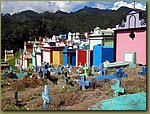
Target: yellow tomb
57,57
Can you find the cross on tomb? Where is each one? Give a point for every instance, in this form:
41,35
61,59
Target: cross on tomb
134,3
44,71
11,69
117,89
83,82
120,73
46,98
70,69
143,72
85,69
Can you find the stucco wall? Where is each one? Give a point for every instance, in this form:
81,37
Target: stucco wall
126,44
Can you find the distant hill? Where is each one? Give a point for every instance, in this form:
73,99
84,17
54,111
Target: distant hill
29,24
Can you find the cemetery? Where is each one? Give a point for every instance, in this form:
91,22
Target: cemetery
57,88
76,72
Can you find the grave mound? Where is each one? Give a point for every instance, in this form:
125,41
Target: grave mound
125,102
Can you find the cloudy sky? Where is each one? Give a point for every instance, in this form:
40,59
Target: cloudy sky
66,6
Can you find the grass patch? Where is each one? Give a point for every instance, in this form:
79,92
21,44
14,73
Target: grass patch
12,61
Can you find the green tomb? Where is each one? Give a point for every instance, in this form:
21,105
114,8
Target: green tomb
125,102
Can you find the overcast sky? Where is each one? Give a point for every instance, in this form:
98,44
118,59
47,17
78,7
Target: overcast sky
66,6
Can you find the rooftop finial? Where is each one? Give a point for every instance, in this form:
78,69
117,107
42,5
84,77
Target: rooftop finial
134,3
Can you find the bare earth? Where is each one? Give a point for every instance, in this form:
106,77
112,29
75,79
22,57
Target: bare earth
30,93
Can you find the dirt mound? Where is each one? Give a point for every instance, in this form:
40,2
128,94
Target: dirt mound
24,83
64,99
67,96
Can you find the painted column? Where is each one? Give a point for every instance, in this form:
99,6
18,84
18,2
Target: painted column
33,56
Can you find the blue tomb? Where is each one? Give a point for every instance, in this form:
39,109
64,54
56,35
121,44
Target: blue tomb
102,53
107,77
69,57
64,36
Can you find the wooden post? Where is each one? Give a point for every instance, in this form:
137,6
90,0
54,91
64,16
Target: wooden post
16,98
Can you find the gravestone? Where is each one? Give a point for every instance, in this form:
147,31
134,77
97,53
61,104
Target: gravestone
143,72
130,57
82,83
44,70
46,98
120,73
11,69
117,89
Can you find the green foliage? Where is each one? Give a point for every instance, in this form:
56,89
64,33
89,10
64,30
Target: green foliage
12,61
28,25
2,59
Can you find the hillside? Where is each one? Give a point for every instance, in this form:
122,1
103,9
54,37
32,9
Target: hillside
28,25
